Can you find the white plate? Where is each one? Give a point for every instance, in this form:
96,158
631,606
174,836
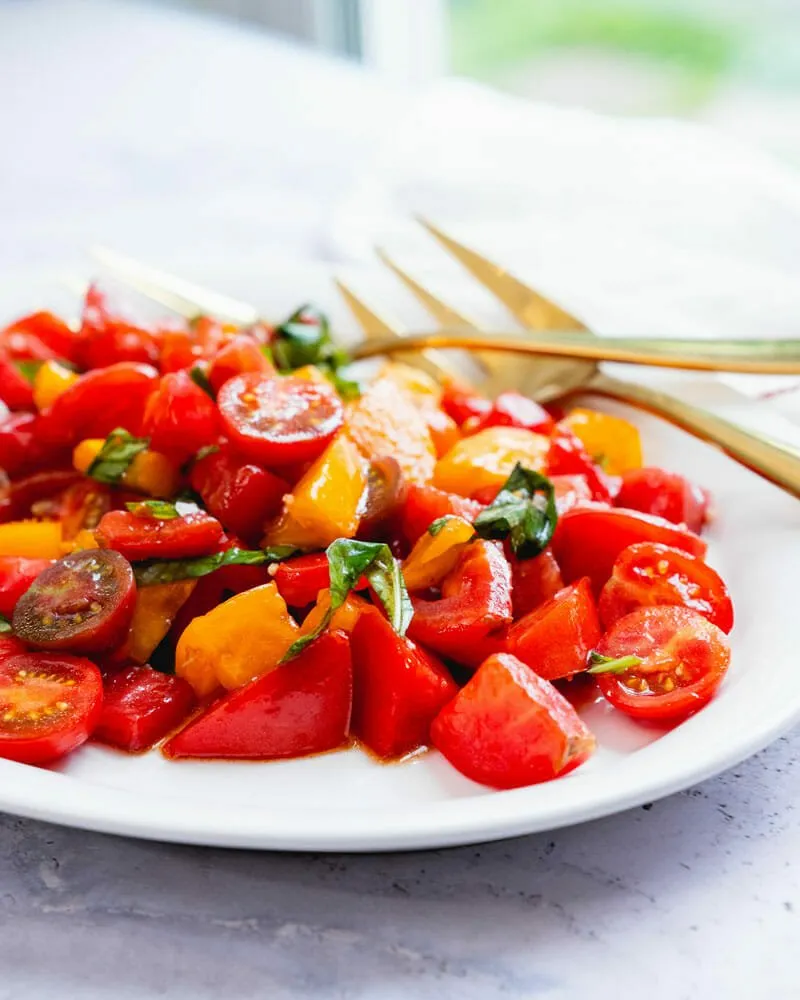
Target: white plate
347,802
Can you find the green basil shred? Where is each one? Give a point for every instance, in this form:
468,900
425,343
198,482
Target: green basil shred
305,339
348,561
599,664
155,571
199,377
114,458
161,510
524,511
5,625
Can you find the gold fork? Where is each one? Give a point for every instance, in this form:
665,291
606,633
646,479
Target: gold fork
541,379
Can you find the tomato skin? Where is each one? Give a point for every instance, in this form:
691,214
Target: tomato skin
299,708
243,496
142,537
675,644
589,539
398,688
512,409
239,355
426,504
508,728
140,707
461,403
16,575
48,329
83,603
555,639
568,457
279,420
300,580
476,600
180,417
99,402
533,581
649,574
50,680
665,494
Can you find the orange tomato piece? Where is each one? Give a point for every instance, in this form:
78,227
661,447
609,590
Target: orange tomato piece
435,556
32,539
486,459
324,505
153,614
52,379
238,640
612,442
344,617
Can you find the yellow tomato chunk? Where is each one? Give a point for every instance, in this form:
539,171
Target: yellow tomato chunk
154,612
344,617
51,380
32,539
152,473
324,505
387,420
434,556
487,459
85,452
242,638
612,442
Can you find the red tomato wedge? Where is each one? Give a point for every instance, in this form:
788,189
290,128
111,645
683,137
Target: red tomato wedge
141,706
84,603
48,329
426,504
684,659
589,539
49,705
277,420
460,403
508,728
180,417
241,495
649,574
534,581
512,409
15,390
398,688
476,600
299,708
140,537
16,575
568,457
300,580
665,494
555,640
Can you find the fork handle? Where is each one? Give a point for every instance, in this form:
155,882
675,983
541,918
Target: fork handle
777,461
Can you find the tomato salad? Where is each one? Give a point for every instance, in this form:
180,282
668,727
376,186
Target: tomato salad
223,542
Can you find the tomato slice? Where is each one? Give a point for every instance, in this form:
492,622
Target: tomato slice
534,581
49,705
180,417
684,659
650,574
555,640
299,708
508,727
589,539
243,496
398,688
141,706
279,420
426,504
665,494
84,603
140,537
476,600
16,575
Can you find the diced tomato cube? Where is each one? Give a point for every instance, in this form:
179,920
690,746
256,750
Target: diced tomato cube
426,504
141,706
665,494
534,581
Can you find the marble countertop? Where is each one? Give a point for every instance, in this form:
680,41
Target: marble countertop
129,124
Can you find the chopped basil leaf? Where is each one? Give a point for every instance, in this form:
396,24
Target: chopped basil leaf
524,511
348,560
114,458
436,526
348,388
600,664
161,510
266,350
305,339
5,625
168,570
28,369
277,553
199,377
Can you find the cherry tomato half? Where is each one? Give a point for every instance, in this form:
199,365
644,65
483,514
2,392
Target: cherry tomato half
180,416
684,659
279,420
140,537
649,574
665,494
83,602
49,705
241,354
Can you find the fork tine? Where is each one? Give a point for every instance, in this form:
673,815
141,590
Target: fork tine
445,314
174,293
375,325
530,307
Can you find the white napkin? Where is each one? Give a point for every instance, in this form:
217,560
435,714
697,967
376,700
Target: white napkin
645,226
